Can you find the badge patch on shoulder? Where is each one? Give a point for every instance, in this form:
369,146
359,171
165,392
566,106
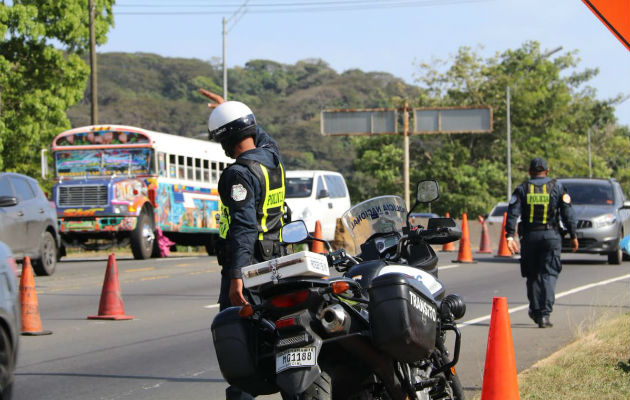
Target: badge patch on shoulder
239,193
566,198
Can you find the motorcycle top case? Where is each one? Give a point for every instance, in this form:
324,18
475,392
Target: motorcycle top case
237,342
403,317
304,263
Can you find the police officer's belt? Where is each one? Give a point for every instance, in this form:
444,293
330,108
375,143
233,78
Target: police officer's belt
540,227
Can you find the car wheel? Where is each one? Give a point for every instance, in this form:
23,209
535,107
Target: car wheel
615,257
47,261
142,238
6,366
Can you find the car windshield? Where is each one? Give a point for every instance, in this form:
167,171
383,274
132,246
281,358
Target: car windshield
499,211
590,193
381,214
298,187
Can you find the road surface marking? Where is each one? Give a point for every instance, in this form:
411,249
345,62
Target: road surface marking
212,306
449,266
152,278
140,269
558,296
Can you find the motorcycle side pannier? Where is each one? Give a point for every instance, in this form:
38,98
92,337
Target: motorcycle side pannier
236,342
403,317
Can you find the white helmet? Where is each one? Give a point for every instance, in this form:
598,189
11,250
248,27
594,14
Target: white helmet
230,121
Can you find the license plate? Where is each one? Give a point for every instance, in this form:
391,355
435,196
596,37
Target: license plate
295,358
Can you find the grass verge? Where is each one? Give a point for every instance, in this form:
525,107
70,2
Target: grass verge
596,366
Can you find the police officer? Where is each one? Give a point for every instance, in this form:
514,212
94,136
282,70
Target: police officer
252,192
540,202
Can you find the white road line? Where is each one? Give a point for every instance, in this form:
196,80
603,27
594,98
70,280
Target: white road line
212,306
558,296
449,266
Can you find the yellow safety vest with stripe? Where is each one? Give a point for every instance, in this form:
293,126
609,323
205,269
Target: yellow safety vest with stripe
270,208
538,209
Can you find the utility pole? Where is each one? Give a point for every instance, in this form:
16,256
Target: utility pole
93,72
225,59
238,14
406,149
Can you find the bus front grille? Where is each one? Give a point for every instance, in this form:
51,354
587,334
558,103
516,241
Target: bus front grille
80,196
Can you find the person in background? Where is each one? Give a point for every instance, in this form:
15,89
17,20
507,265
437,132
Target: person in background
541,203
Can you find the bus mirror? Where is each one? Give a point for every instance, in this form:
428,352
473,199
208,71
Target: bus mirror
44,163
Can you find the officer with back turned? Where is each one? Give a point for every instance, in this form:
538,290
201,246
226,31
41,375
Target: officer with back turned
540,202
252,195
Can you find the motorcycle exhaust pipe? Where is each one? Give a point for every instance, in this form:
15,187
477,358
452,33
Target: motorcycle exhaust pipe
334,319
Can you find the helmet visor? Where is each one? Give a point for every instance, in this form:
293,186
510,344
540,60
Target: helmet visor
232,127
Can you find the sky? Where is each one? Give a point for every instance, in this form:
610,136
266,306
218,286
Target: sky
372,35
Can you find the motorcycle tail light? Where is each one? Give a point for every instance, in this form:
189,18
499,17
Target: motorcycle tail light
290,299
339,287
285,322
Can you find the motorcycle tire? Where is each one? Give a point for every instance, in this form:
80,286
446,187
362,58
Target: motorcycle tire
321,389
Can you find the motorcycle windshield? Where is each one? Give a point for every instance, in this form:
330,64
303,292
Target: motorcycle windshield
383,214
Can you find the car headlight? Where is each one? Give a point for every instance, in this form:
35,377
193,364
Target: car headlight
604,220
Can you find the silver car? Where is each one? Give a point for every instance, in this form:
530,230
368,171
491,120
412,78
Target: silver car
9,320
603,216
28,222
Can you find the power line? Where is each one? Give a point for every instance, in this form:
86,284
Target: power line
361,5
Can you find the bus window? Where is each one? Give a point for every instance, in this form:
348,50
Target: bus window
197,169
181,167
172,166
215,173
161,164
206,171
190,174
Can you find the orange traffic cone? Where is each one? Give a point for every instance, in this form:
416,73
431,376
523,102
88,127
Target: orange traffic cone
499,375
317,246
448,246
31,321
503,247
484,244
464,255
111,305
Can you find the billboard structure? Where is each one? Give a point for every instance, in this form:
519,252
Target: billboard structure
384,121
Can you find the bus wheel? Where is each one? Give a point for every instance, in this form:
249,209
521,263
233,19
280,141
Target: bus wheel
142,238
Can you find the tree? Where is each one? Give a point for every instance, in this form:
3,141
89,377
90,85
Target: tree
552,109
39,81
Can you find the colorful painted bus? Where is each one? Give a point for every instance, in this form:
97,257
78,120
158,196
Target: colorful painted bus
116,185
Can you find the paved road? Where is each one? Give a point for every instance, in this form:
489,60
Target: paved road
165,352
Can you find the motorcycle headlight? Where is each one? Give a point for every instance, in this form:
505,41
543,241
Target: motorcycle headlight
604,220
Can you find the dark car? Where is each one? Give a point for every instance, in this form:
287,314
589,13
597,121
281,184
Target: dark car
28,222
9,320
603,216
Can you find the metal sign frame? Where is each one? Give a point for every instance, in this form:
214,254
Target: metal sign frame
371,111
439,110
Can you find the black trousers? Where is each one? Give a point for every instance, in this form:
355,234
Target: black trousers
541,265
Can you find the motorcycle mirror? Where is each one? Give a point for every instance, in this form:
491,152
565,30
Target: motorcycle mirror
428,191
294,232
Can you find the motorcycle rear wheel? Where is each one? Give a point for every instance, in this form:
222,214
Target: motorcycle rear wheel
321,389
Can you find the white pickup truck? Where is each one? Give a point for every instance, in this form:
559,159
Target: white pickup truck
315,195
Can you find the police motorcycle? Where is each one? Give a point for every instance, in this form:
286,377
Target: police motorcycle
378,330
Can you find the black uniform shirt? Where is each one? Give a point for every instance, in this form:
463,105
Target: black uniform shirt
558,198
240,191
